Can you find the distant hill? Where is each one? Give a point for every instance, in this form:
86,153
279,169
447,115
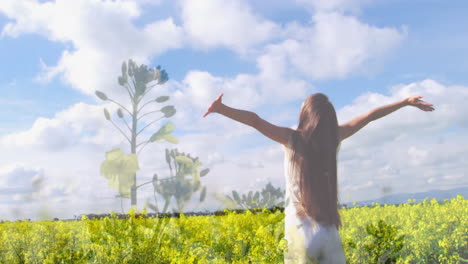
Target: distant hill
400,198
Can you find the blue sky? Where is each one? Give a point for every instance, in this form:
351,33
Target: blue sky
264,57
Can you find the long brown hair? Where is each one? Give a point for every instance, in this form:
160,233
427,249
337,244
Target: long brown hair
315,145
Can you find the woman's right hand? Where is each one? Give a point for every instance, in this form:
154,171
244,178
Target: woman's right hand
215,106
417,102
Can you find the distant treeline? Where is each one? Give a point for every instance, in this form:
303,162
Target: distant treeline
177,214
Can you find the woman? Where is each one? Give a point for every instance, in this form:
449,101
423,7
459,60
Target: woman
312,219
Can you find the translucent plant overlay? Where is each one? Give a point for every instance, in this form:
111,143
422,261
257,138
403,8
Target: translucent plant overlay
121,169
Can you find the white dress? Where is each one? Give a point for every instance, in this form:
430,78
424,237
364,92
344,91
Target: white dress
307,244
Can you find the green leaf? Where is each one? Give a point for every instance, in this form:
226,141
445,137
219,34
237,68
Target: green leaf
225,200
141,77
163,132
168,156
106,114
236,196
184,160
268,197
140,88
203,194
124,69
131,67
121,81
101,95
119,113
170,113
171,139
256,196
168,110
162,99
204,172
230,200
155,74
164,77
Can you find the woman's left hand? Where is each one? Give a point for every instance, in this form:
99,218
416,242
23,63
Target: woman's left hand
417,102
215,106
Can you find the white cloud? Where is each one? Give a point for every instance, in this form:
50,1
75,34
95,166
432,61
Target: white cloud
223,23
47,133
273,84
409,150
203,88
318,51
336,46
333,45
410,120
388,172
17,174
417,156
67,129
98,49
25,184
63,19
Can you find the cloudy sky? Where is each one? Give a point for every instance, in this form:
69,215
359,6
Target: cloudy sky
265,56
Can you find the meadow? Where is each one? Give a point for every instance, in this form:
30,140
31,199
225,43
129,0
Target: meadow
426,232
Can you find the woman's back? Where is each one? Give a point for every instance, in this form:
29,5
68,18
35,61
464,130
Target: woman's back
306,238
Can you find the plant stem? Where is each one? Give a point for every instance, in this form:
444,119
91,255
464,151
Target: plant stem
149,125
127,87
147,91
120,131
141,108
127,125
148,113
143,147
121,106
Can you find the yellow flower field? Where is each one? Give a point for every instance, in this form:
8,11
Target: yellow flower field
435,233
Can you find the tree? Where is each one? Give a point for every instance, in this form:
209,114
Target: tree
118,167
270,196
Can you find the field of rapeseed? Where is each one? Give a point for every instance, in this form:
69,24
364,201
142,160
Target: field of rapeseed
434,233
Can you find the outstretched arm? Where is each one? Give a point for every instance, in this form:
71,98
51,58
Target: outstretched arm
351,127
276,133
245,117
